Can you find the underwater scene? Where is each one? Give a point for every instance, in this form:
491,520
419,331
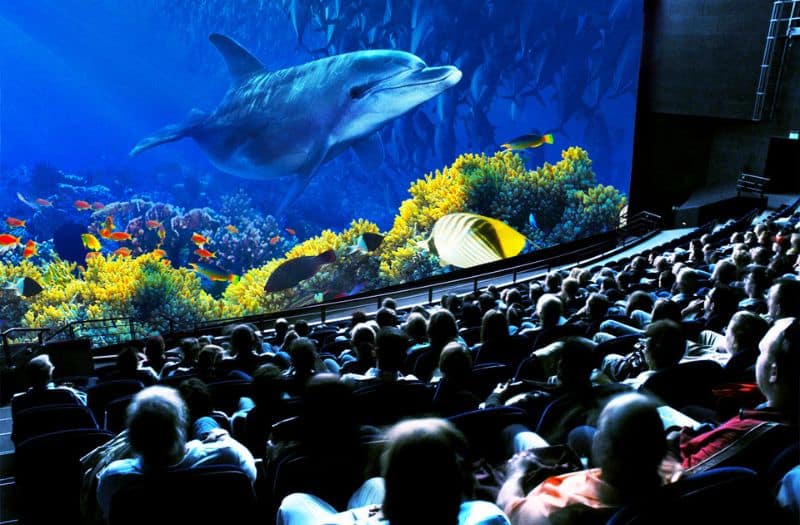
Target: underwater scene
176,161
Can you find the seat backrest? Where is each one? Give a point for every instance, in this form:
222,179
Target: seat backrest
116,413
207,494
725,495
485,377
49,473
42,397
484,429
685,384
37,421
98,396
384,403
226,394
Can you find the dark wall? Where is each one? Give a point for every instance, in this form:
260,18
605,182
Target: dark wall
700,66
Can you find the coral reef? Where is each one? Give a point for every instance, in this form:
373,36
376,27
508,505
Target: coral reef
348,272
564,200
550,204
146,289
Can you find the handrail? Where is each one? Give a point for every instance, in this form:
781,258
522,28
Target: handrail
128,327
9,333
642,220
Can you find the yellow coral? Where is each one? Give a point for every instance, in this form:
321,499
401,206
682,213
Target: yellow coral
249,295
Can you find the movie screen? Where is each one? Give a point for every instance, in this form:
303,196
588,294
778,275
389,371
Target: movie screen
176,162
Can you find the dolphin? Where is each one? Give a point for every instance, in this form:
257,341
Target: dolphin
291,121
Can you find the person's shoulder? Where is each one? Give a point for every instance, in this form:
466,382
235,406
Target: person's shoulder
121,468
480,512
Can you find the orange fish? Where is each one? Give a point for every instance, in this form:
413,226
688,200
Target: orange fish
204,253
158,252
15,223
273,241
31,249
124,252
290,231
8,240
152,225
43,202
231,228
82,205
162,233
98,205
200,240
105,233
120,236
91,255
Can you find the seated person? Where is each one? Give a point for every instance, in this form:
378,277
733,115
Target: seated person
452,393
756,283
189,348
628,449
664,346
129,366
362,342
426,480
390,352
778,378
38,374
157,426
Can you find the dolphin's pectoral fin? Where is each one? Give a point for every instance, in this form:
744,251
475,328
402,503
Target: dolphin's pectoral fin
171,133
295,187
241,63
370,151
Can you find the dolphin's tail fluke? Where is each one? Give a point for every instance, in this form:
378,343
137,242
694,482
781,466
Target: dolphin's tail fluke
171,133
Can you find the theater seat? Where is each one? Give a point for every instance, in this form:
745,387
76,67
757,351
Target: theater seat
726,495
209,494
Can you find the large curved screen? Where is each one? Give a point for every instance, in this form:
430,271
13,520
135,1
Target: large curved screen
175,162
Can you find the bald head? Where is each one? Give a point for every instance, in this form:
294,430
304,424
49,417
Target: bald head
778,365
630,444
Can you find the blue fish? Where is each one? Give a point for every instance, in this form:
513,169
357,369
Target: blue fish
532,221
289,122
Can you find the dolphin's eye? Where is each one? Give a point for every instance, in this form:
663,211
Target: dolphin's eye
357,92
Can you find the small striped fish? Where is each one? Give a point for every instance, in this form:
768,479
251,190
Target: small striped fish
466,239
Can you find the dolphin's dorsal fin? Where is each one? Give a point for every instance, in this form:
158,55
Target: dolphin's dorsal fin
241,63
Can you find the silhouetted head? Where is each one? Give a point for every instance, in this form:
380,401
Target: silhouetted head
39,371
784,299
426,473
157,423
629,445
197,397
575,363
549,309
778,366
386,317
154,351
494,326
416,328
128,361
267,386
455,363
389,303
190,346
744,332
442,328
391,345
302,328
303,352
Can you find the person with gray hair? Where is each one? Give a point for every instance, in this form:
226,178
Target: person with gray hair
38,374
157,432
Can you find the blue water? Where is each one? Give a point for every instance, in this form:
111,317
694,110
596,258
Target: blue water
83,81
